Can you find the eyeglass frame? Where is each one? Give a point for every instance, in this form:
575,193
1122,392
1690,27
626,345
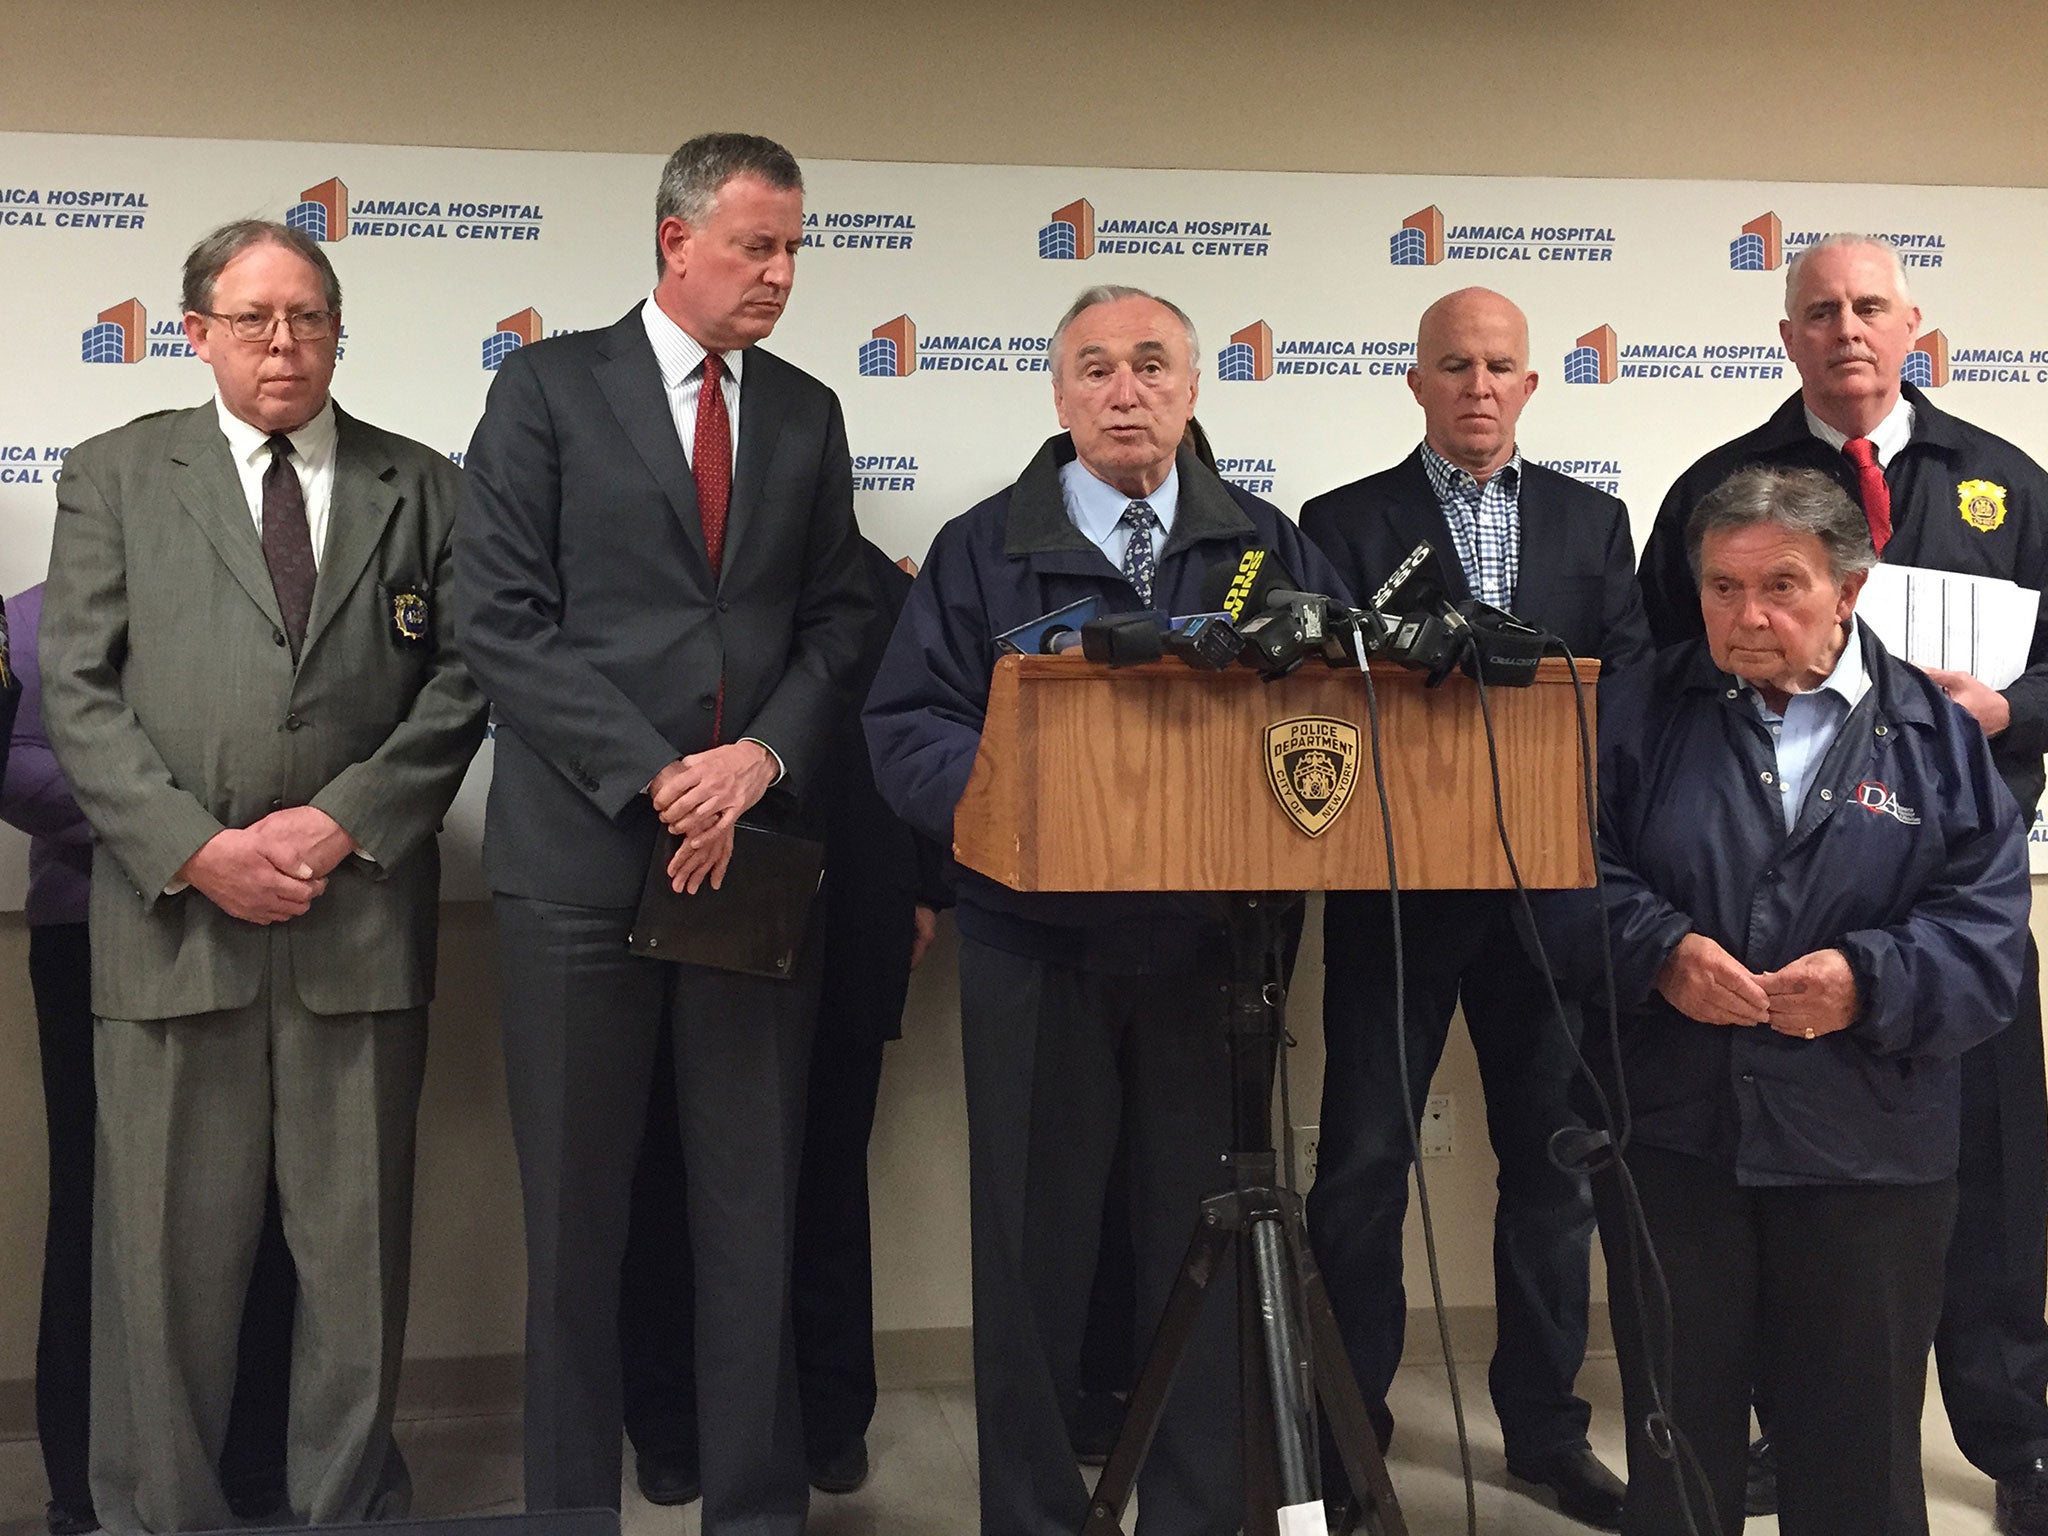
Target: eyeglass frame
329,323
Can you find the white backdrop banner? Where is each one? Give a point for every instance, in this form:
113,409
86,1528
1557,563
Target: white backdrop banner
926,292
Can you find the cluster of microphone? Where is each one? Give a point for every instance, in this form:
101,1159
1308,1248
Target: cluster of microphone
1256,616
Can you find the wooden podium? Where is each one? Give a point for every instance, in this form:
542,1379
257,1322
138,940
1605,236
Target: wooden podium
1160,777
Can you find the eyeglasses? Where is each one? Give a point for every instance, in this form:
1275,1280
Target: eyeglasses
304,324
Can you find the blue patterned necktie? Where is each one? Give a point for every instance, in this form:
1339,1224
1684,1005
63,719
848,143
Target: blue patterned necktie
1140,565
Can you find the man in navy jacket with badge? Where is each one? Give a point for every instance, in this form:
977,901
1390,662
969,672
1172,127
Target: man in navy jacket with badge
1940,493
1081,1014
1512,533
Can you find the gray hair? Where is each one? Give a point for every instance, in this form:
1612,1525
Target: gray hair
691,179
1797,500
1841,242
203,266
1110,293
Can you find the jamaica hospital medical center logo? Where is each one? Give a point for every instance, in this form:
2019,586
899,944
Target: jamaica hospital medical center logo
326,212
893,350
1935,362
1252,356
1424,241
1764,245
1598,357
1075,234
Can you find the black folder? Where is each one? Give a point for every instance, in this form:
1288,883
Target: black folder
753,923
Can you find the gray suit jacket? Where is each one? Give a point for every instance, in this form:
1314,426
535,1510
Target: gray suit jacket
592,620
175,711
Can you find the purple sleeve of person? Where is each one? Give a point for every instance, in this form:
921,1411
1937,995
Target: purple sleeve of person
33,795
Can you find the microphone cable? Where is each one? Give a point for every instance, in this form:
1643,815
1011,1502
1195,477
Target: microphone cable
1436,1282
1575,1150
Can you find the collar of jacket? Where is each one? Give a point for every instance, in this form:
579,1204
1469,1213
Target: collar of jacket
1903,705
1038,523
1932,427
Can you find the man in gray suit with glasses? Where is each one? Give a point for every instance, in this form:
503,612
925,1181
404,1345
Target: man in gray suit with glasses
252,688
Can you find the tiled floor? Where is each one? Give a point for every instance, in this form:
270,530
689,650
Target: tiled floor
922,1444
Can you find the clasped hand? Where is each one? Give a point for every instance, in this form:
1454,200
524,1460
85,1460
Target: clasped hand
271,870
1812,996
701,798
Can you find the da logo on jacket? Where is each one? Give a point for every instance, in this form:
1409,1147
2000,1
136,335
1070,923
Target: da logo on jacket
1982,504
1312,764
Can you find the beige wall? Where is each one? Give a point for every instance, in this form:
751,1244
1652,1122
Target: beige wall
1881,90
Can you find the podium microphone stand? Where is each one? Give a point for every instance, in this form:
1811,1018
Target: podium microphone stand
1162,778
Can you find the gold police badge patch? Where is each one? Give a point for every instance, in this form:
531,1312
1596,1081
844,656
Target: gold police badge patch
1981,503
1312,764
409,616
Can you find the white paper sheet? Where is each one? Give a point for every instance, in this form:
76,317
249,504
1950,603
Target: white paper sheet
1975,624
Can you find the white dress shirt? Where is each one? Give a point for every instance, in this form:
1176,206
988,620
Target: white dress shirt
681,357
312,459
1887,437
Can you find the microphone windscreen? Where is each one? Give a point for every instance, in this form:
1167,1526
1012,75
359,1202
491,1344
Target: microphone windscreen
1239,587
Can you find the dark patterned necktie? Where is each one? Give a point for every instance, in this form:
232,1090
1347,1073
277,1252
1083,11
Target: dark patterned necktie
1872,491
288,541
1140,564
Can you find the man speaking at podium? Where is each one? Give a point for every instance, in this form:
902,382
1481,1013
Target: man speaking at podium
1557,553
1082,1015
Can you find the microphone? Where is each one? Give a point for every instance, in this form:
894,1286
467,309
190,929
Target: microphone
1040,636
1239,589
1125,639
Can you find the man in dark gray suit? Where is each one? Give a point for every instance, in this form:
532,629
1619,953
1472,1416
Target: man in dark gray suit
256,699
660,590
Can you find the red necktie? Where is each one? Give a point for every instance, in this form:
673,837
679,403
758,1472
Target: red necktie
1871,489
711,463
711,460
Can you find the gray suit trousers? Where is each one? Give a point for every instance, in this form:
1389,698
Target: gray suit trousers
582,1016
193,1111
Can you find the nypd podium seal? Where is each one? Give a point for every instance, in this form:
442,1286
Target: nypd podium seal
1312,764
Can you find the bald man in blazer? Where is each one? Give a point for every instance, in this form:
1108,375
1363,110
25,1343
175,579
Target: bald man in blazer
253,691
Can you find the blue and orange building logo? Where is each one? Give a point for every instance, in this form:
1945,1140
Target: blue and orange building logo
513,332
1927,364
322,211
890,352
1594,357
116,336
1419,242
1760,247
1248,358
1071,234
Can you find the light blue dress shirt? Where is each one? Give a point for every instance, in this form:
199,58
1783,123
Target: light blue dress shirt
1811,722
1097,508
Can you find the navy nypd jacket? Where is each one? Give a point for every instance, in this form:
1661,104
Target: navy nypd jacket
1003,563
1909,856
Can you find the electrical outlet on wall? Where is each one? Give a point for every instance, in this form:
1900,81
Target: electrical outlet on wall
1438,1118
1308,1141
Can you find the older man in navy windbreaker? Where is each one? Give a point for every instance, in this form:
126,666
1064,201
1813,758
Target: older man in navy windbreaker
1081,1015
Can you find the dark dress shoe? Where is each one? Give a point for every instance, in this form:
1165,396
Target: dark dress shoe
666,1482
845,1472
2023,1502
67,1519
1093,1425
1585,1489
1760,1487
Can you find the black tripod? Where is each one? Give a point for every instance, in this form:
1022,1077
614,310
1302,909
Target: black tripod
1288,1347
